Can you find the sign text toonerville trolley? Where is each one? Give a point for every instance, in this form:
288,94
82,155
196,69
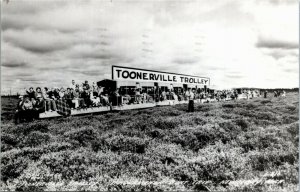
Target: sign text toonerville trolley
153,88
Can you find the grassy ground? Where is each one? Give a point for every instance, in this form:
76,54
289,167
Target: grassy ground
235,145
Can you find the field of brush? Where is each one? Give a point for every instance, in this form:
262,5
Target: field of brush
234,145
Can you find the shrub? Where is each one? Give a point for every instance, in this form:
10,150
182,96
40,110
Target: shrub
228,105
36,138
293,129
243,123
142,124
168,111
287,119
217,163
130,187
200,121
230,132
260,140
267,159
42,126
123,143
166,123
70,165
120,143
56,147
266,116
12,164
156,133
34,178
203,107
265,101
8,141
184,138
82,136
131,132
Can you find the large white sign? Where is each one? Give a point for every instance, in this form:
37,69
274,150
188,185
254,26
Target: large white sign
139,75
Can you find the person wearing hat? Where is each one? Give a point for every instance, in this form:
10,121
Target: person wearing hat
39,106
86,85
265,94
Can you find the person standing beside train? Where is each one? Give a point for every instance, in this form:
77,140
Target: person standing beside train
190,96
265,94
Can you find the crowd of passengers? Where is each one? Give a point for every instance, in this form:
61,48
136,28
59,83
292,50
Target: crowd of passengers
85,95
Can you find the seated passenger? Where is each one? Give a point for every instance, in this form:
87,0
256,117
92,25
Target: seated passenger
39,106
76,100
163,96
104,99
94,98
50,103
61,93
126,99
175,97
116,99
68,97
85,95
38,92
144,97
95,89
86,85
31,93
137,96
27,108
53,94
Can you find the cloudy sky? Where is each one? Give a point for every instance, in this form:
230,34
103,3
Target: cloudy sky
235,43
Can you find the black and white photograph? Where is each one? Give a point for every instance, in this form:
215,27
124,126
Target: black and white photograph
153,95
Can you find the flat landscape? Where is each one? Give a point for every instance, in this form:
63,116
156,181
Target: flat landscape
235,145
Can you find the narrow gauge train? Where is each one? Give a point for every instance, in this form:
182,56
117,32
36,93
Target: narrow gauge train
126,81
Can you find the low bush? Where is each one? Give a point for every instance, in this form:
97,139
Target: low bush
142,124
166,123
123,143
203,107
36,138
34,178
243,123
120,143
9,141
13,164
156,133
57,146
71,166
25,129
223,164
287,119
186,139
266,101
259,140
132,187
82,137
268,159
222,145
229,105
293,130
